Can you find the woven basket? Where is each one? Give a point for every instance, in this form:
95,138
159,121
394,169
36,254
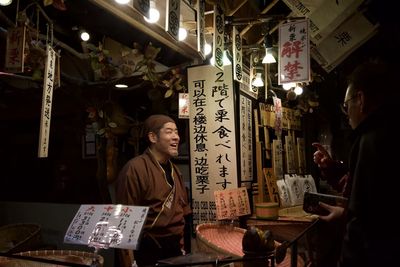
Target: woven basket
68,256
227,240
19,237
220,239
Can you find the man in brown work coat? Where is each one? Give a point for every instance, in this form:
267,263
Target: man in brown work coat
152,180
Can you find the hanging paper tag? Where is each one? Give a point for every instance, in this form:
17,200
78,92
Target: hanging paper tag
183,106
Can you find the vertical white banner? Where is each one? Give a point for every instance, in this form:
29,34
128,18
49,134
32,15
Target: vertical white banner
246,140
212,137
294,52
219,42
237,55
200,27
47,100
172,17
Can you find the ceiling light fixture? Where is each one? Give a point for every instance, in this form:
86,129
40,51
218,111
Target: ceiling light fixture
268,43
258,81
268,58
154,14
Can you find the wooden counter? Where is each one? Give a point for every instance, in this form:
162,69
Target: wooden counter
282,229
291,222
289,225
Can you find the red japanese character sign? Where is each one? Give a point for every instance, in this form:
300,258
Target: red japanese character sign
294,52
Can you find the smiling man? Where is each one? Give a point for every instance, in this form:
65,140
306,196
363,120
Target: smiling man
152,180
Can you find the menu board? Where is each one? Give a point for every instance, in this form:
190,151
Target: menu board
104,226
232,203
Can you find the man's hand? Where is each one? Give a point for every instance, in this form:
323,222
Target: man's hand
321,156
335,212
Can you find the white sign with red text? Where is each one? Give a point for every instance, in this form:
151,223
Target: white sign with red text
294,52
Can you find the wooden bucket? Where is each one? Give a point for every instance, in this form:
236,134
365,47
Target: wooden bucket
267,210
227,240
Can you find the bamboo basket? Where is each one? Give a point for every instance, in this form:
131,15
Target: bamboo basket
67,256
19,237
227,240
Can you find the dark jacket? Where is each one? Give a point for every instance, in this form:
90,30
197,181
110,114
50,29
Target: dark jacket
371,236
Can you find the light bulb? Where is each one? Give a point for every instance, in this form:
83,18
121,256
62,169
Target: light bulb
85,36
182,34
287,86
121,85
225,60
154,14
298,90
122,2
5,2
207,49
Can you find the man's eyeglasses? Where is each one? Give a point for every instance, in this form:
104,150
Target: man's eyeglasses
344,105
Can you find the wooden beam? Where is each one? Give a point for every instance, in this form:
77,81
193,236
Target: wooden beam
264,11
232,11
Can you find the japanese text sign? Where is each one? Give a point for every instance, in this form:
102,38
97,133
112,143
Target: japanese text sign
104,226
14,59
47,101
232,203
246,140
213,157
183,106
294,52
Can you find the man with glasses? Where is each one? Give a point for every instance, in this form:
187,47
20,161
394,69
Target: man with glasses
370,233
